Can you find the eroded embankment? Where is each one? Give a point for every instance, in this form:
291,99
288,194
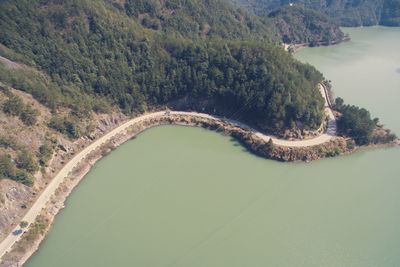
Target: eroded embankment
30,240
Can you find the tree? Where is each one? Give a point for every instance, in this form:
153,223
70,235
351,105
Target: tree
339,102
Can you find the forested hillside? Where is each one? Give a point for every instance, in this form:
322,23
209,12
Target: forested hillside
297,25
195,18
344,12
149,53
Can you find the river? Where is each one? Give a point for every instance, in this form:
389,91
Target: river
179,196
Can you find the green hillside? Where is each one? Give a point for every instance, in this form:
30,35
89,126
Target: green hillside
297,24
195,18
344,12
133,55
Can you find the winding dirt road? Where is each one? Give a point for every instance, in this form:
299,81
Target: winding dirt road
34,211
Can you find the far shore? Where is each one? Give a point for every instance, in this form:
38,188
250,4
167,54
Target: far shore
294,48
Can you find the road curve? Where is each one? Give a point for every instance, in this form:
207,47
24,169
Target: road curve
34,211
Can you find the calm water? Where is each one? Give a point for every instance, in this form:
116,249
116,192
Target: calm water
364,71
178,196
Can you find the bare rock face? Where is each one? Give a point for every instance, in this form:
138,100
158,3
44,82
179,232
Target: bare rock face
105,122
64,147
14,197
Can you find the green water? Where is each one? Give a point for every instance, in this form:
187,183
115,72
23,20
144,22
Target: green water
364,71
178,196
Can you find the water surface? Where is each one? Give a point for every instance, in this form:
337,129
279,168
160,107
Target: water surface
179,196
364,71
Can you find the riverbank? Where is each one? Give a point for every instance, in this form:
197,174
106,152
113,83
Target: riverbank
31,240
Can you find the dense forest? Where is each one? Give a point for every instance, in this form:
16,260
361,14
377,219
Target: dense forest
100,54
193,18
299,25
344,12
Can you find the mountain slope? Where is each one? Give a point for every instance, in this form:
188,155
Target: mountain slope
194,18
297,25
95,51
344,12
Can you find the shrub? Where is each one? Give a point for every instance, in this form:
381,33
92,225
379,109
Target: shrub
45,153
29,115
9,142
13,106
16,107
23,177
26,161
8,170
65,126
7,167
23,224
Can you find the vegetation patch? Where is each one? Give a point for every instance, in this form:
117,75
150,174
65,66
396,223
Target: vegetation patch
66,126
357,123
15,107
9,170
9,142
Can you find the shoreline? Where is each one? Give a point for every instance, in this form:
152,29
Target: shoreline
60,172
294,48
23,249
